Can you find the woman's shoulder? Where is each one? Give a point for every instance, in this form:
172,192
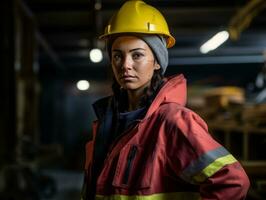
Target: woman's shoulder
176,113
170,109
101,105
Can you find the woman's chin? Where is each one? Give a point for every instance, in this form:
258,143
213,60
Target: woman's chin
129,87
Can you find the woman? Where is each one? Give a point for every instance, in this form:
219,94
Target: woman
146,144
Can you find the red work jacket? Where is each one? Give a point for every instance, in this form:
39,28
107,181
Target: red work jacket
168,155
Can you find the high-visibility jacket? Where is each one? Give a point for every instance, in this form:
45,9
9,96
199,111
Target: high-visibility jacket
167,155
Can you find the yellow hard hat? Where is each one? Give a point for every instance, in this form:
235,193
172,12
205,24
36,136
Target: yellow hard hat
135,16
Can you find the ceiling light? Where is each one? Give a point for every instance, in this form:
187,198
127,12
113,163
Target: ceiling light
214,42
83,85
97,6
96,55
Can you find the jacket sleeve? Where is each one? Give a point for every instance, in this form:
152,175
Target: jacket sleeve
198,159
87,192
230,182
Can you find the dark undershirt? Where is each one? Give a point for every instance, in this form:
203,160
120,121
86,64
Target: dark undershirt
128,119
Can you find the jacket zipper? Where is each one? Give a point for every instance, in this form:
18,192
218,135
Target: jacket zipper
130,158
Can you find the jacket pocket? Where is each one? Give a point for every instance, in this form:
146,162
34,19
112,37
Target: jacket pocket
134,168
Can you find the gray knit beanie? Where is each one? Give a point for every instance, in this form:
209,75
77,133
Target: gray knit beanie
157,45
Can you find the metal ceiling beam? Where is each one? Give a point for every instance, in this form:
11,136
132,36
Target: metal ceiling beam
46,46
212,60
57,5
45,6
49,51
107,5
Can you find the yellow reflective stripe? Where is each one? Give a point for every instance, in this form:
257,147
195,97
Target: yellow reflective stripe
196,166
161,196
214,167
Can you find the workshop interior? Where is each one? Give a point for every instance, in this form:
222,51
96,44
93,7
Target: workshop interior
53,67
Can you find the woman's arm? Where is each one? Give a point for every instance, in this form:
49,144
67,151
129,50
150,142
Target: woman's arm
198,159
230,182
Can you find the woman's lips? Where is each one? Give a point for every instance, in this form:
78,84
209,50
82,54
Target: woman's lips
127,77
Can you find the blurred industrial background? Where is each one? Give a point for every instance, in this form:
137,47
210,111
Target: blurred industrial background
46,119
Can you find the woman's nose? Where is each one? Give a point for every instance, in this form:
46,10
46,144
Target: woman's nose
127,63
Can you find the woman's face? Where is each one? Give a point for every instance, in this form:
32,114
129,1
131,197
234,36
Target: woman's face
133,62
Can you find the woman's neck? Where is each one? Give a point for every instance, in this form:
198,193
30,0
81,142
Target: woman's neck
134,98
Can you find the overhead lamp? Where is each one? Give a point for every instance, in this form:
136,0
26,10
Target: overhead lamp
214,42
96,55
97,6
83,85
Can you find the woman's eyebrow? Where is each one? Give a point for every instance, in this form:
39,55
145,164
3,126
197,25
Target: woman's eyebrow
136,49
118,50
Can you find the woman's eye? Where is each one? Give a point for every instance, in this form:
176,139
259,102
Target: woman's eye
137,55
117,57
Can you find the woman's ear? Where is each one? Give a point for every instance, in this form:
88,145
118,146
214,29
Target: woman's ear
157,66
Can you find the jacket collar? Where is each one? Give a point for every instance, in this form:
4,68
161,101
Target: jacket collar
102,106
174,90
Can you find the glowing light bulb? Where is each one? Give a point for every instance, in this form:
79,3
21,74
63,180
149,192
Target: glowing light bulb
96,55
83,85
